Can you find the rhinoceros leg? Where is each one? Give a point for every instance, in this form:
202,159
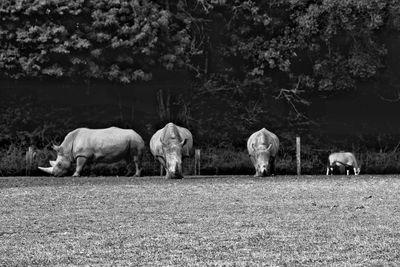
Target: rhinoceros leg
258,174
138,166
80,162
252,160
254,164
272,166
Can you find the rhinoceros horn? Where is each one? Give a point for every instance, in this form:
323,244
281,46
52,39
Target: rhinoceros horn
52,163
49,170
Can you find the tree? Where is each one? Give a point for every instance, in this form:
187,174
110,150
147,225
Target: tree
253,62
118,40
273,52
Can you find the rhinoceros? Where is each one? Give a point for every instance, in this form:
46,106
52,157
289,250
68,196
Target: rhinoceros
100,145
263,146
343,161
169,145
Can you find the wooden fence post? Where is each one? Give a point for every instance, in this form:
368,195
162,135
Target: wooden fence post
298,159
29,157
197,162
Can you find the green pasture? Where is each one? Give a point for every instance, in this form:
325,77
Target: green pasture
230,220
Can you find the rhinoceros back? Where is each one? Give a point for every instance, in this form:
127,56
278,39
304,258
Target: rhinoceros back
262,139
107,144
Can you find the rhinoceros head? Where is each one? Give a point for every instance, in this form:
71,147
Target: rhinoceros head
60,166
262,157
172,156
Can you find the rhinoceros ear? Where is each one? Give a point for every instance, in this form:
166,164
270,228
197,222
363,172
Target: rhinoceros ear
160,156
58,149
269,147
183,142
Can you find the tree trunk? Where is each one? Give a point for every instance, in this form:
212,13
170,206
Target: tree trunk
121,115
164,111
132,112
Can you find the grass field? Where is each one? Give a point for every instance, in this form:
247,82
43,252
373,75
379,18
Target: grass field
242,221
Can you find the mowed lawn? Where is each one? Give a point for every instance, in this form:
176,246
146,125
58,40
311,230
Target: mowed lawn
118,221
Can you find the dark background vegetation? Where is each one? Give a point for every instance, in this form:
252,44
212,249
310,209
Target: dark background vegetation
326,71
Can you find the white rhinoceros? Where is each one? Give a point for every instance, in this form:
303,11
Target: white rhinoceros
168,145
263,146
100,145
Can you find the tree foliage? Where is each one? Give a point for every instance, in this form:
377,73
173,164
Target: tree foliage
253,62
259,52
303,45
322,45
119,40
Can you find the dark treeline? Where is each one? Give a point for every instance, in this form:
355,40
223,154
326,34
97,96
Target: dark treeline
324,70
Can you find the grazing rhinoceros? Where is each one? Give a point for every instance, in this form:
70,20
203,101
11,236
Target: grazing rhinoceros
263,146
168,145
343,161
101,145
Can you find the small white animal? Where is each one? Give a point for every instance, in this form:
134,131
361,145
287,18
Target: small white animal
344,160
